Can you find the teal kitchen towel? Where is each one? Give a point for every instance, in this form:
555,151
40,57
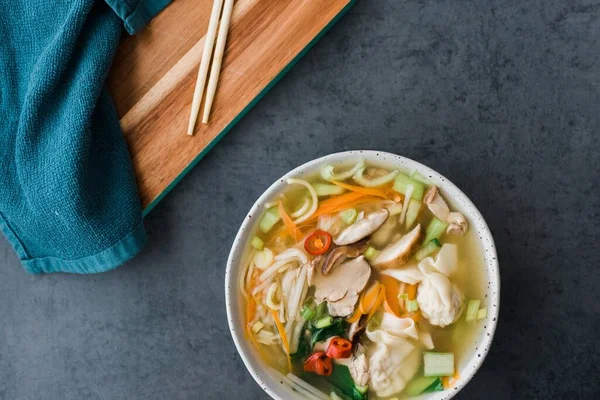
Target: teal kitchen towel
68,199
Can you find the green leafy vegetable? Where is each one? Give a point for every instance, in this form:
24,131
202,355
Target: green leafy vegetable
342,380
436,386
421,384
337,328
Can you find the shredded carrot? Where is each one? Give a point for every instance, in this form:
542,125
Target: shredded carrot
384,194
415,316
378,302
448,382
289,224
255,343
392,288
369,298
355,317
341,199
331,209
412,291
284,339
250,310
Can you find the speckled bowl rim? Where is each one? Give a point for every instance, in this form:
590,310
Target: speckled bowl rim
257,367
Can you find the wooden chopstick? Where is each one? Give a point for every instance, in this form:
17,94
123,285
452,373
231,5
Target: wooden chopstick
204,63
218,58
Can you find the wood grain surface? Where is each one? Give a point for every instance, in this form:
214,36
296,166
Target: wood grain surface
153,77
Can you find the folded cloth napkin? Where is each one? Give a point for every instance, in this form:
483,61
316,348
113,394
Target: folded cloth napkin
68,199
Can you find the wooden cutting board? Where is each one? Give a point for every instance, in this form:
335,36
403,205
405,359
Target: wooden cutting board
153,78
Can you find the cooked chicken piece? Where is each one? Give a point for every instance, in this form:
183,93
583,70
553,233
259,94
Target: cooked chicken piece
399,252
363,228
457,223
342,286
436,203
343,307
357,365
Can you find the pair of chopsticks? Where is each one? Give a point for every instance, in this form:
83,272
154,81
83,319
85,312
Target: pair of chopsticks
216,64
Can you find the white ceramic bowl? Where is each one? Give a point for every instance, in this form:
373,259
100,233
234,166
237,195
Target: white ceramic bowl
258,368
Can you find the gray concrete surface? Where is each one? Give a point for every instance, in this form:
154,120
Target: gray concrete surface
502,97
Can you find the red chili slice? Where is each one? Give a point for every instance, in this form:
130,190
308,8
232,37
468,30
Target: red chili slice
319,363
318,243
339,348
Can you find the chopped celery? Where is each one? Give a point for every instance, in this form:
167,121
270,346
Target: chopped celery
349,216
418,385
325,189
324,322
412,306
414,207
438,364
417,176
371,253
269,219
257,243
308,311
481,314
435,229
402,183
472,310
428,249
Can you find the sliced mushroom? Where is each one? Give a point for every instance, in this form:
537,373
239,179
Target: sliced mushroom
342,286
363,228
342,254
357,328
457,223
399,252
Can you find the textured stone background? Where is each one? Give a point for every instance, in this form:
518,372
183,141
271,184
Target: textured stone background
502,97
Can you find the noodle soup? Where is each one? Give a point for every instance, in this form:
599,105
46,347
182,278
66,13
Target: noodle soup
363,281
